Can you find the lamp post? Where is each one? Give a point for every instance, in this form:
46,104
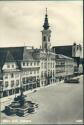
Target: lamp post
1,88
21,85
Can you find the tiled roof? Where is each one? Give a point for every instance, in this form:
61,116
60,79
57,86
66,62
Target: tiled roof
10,53
60,56
17,54
64,50
27,55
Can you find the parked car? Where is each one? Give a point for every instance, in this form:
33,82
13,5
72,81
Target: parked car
72,80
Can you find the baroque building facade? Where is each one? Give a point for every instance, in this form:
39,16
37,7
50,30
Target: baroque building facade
32,67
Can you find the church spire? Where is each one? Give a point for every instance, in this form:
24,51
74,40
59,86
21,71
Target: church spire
46,24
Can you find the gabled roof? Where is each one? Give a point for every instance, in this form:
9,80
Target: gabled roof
10,53
17,54
27,55
31,54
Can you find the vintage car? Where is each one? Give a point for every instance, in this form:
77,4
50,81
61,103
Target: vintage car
72,80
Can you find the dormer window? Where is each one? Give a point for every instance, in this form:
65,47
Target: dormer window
8,66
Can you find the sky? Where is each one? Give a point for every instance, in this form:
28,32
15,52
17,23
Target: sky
21,22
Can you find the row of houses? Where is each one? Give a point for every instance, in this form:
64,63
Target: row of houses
32,68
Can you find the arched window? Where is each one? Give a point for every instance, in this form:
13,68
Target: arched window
12,83
44,38
77,47
6,84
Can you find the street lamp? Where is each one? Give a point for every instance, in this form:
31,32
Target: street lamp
1,88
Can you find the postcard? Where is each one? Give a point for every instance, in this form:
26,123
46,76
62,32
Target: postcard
41,62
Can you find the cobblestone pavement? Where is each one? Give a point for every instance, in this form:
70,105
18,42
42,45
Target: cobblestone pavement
58,104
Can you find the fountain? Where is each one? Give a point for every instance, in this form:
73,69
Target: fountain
20,106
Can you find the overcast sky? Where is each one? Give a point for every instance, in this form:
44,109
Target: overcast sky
21,22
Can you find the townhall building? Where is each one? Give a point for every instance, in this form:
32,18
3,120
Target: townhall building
32,67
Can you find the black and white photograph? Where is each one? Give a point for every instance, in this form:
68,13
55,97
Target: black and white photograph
41,62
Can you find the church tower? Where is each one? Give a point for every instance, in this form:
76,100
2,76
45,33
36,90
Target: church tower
46,34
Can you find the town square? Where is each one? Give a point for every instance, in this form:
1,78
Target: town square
41,63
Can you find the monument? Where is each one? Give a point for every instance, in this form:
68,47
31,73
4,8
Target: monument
20,106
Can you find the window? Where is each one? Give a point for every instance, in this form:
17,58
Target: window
17,82
31,64
27,79
44,38
27,73
45,65
37,63
17,75
37,71
30,72
23,63
6,76
53,65
34,63
77,47
33,78
12,83
23,80
27,63
48,65
42,74
12,75
48,38
34,72
37,77
45,73
42,65
53,72
6,84
8,66
12,66
42,82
